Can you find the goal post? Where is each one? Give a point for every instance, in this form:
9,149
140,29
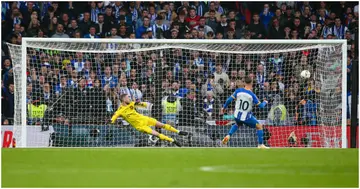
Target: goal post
326,101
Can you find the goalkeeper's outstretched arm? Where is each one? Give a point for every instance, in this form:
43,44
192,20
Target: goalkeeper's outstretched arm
115,116
141,104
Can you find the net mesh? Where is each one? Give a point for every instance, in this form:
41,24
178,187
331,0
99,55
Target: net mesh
73,89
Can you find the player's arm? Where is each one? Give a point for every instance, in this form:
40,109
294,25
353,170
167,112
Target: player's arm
115,116
262,104
141,104
229,100
258,103
227,103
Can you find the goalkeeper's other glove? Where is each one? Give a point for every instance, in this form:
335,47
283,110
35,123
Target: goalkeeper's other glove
226,139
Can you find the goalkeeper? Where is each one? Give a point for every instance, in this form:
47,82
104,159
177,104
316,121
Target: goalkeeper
142,123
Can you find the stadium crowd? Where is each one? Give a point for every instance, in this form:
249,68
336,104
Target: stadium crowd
197,80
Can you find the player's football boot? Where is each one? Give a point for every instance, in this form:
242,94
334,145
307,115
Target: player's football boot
183,133
226,139
262,147
177,143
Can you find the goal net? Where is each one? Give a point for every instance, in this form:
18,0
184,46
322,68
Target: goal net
67,91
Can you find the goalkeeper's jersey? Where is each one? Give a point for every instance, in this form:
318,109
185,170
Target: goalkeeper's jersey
129,114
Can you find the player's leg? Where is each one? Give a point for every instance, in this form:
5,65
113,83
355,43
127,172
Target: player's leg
168,127
148,130
253,122
233,129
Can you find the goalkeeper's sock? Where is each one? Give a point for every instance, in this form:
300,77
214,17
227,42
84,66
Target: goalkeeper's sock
164,137
170,128
260,134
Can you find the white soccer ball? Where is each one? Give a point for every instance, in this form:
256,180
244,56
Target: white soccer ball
305,74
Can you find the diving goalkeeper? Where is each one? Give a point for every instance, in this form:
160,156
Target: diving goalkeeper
143,123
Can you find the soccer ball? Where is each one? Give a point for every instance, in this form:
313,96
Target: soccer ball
305,74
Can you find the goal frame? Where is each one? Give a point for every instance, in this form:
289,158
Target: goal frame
25,40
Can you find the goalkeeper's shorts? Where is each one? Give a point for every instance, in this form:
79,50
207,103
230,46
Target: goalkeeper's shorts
146,124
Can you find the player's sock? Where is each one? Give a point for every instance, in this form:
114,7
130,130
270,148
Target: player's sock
233,129
164,137
260,134
170,128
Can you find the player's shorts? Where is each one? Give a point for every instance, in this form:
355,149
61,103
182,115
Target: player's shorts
146,124
250,122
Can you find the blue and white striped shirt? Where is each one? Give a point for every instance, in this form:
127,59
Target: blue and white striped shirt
156,27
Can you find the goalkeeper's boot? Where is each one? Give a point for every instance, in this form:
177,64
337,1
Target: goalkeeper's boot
226,139
177,143
183,133
261,146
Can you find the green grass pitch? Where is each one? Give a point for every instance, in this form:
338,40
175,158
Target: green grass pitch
179,167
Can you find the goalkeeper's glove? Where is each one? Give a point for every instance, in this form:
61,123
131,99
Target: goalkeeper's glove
226,139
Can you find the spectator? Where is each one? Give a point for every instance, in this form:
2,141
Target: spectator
139,21
26,14
220,76
209,106
85,24
78,63
280,16
108,79
175,88
260,76
33,28
338,29
211,85
108,17
275,31
206,28
116,9
200,8
298,26
193,19
212,6
265,16
233,28
159,29
256,28
8,95
113,33
92,33
142,29
184,90
326,30
101,27
306,13
174,34
94,10
123,87
163,14
5,68
152,14
47,92
223,25
135,92
60,32
51,28
65,20
211,21
72,28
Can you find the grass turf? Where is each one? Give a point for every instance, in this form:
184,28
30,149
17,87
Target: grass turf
179,167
